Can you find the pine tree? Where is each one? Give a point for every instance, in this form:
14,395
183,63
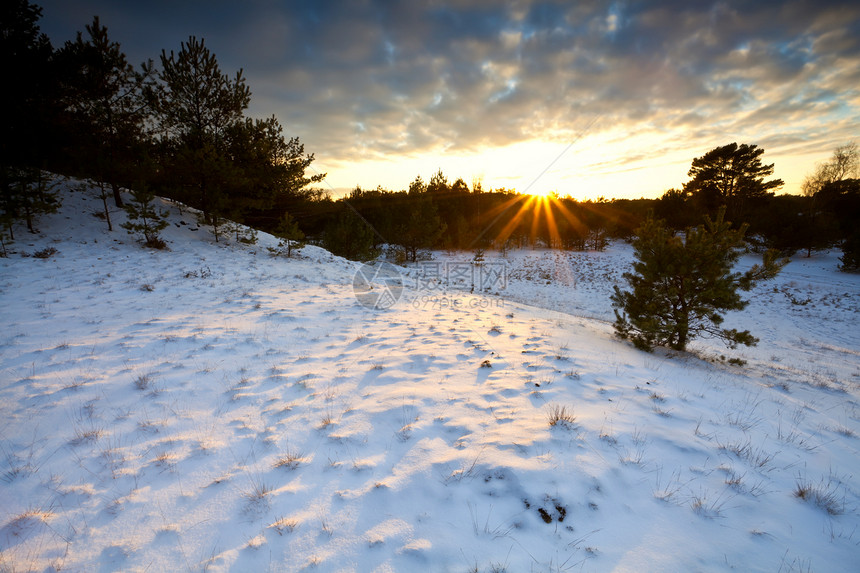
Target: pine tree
417,187
29,109
28,92
290,236
143,218
198,107
104,99
270,171
680,286
27,193
438,184
842,200
731,175
422,228
350,237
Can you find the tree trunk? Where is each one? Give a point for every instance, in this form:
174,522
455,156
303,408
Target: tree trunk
681,343
107,210
117,198
28,215
682,323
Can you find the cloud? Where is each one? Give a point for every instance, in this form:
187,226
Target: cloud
377,79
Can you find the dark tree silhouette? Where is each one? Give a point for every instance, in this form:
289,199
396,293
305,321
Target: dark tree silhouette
198,106
104,98
29,114
732,175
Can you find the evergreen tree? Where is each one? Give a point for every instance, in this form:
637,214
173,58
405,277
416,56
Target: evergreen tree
731,175
674,208
459,187
290,236
28,112
680,286
271,172
438,184
27,193
459,234
104,98
422,228
198,106
350,237
789,223
417,187
26,60
143,218
842,200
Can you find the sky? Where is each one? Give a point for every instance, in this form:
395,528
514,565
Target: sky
587,99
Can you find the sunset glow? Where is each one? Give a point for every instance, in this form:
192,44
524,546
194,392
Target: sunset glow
588,101
536,212
541,195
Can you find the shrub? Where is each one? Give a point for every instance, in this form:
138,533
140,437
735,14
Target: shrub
681,285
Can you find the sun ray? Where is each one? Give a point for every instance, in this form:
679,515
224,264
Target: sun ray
512,224
552,227
574,221
497,213
540,218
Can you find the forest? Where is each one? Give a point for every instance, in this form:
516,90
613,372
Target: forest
179,129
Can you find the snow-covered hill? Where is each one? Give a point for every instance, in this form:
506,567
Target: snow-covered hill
214,408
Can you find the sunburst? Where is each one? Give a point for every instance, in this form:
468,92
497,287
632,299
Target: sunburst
533,208
546,194
544,217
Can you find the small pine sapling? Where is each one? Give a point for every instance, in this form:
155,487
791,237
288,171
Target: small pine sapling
28,193
143,218
478,259
290,236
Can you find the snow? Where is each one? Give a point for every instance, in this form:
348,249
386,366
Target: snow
214,408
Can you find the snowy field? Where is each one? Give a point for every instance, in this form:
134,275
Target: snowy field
212,408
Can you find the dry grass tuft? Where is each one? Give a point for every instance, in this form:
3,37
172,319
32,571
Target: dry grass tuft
559,416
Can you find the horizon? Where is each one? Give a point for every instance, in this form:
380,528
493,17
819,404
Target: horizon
588,101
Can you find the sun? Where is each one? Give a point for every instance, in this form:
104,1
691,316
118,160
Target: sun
538,215
543,195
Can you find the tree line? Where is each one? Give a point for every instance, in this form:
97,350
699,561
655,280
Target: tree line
180,130
438,214
732,178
